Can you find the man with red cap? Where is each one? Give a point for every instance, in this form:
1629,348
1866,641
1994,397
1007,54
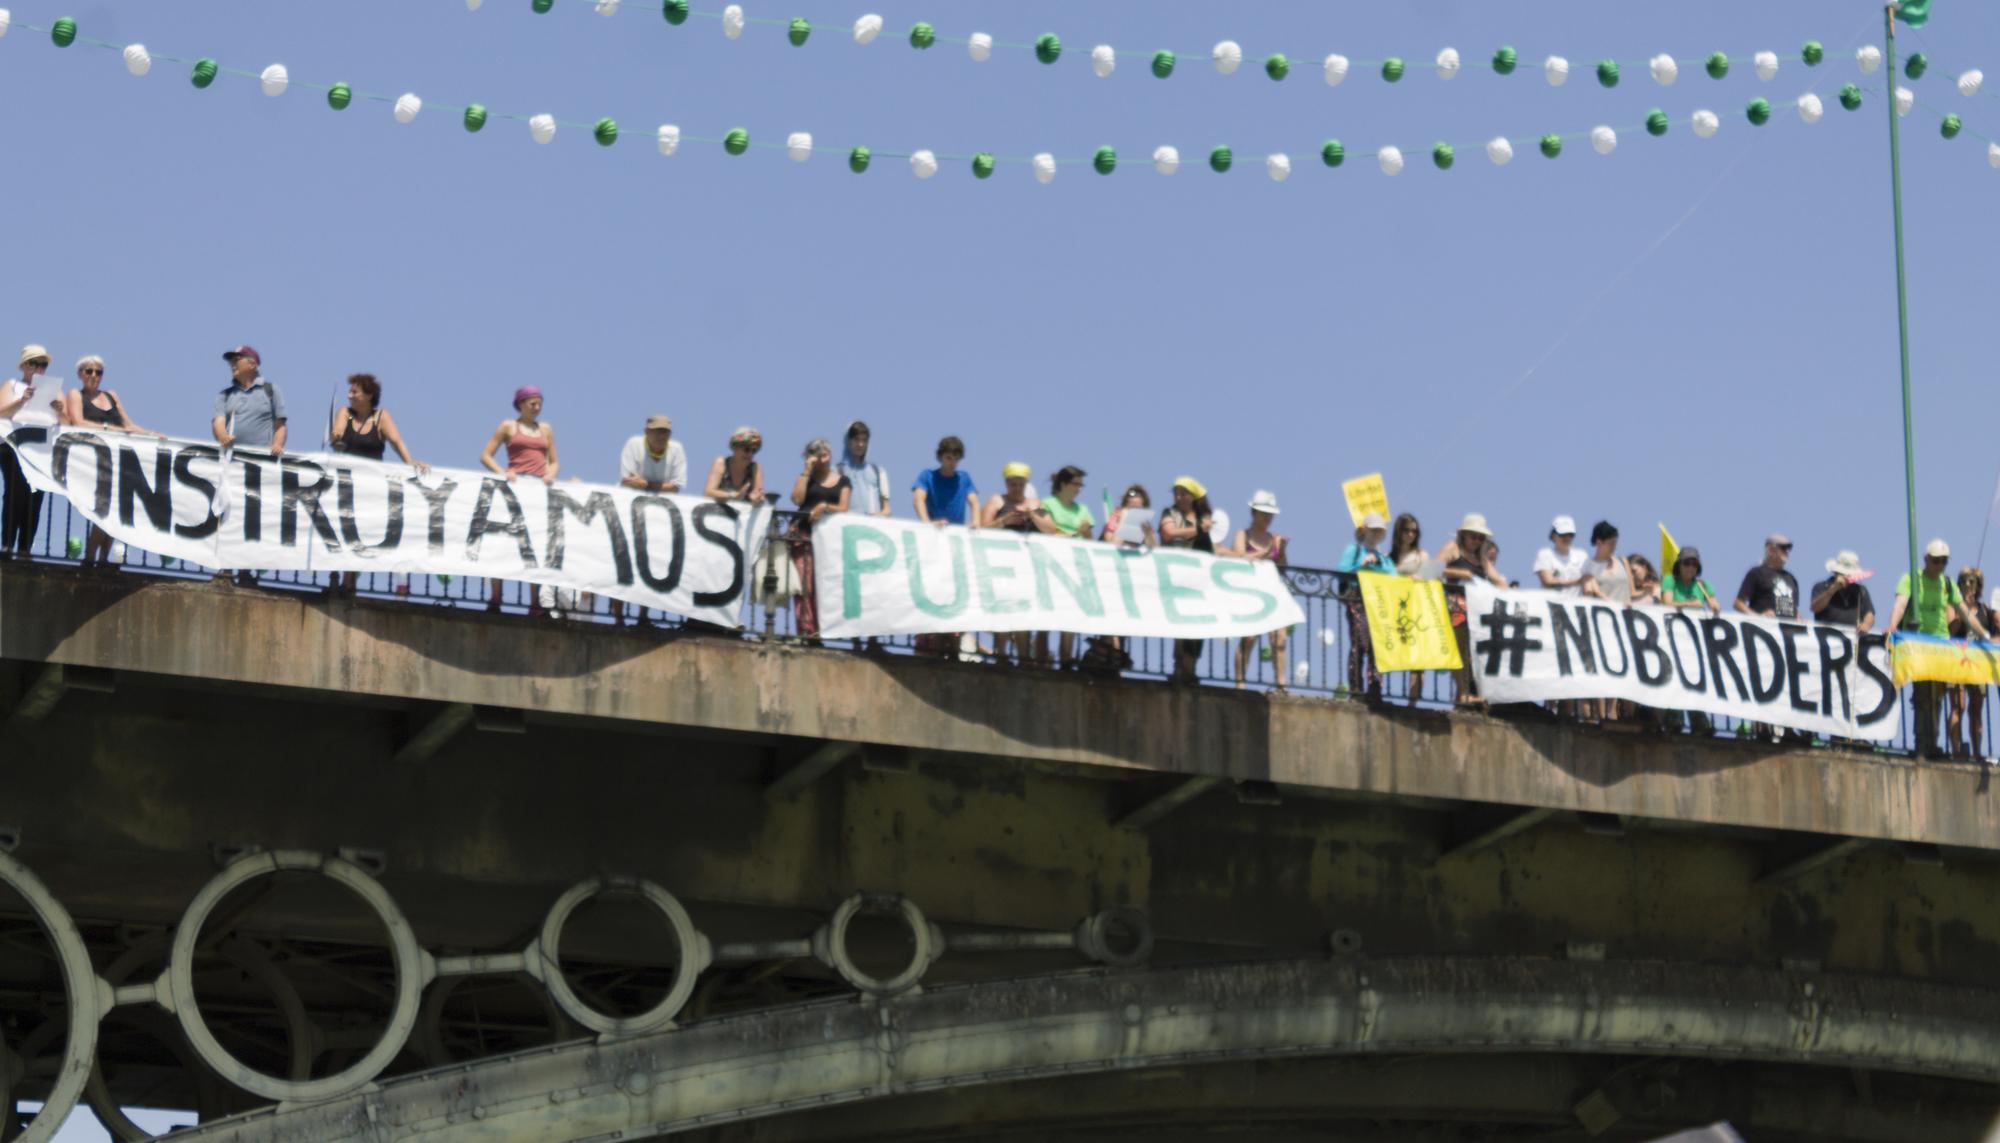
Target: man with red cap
249,412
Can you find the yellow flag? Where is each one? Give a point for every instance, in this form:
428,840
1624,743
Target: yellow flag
1409,623
1366,494
1668,551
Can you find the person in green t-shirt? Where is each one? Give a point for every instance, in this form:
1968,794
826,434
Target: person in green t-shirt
1684,587
1061,515
1938,605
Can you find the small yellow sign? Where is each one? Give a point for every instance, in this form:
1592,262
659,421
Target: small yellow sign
1366,494
1408,623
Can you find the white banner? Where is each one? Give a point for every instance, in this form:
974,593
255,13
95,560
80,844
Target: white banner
892,577
329,512
1534,646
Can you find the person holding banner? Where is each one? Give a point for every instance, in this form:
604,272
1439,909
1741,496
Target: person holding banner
819,490
1560,566
531,451
1686,589
1968,701
20,505
99,408
1606,576
1014,511
1363,555
1259,542
363,428
737,476
1939,605
1408,557
249,411
1062,515
1186,524
1467,557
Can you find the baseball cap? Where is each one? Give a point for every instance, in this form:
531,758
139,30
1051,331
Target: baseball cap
1373,521
1016,469
1564,526
1938,549
659,421
1778,540
242,351
1688,554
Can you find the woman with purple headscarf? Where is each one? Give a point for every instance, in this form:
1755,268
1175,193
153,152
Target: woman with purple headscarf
531,451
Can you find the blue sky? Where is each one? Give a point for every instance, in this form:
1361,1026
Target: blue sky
1731,374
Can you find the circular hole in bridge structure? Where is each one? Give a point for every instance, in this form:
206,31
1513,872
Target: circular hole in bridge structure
619,954
881,943
48,1008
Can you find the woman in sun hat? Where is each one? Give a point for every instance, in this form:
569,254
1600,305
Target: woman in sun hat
1259,542
531,451
1186,524
1467,557
20,505
737,476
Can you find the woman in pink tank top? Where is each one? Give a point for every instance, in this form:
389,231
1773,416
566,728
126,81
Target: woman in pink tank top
531,451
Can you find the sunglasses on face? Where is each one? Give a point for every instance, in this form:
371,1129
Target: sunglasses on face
91,372
39,363
1785,548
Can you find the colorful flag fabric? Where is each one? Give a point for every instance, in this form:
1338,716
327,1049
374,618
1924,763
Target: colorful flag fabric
1936,659
1409,623
1669,551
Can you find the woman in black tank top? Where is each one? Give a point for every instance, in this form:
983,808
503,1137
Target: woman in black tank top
365,429
96,407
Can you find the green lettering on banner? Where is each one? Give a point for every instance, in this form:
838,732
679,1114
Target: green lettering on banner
959,594
1121,563
1171,592
853,567
1082,588
989,576
1267,603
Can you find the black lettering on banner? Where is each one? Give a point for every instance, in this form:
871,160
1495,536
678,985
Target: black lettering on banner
157,495
1757,639
726,541
295,495
1648,660
201,486
435,499
350,531
1605,642
1833,663
1571,629
1720,636
1700,681
597,506
665,584
253,500
1884,685
59,464
482,521
1507,634
1795,667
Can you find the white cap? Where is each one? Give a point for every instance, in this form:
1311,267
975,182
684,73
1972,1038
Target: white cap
1938,549
1564,526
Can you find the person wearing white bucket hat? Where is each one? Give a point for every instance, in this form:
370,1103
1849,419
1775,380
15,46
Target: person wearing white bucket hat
1840,598
1467,557
1363,555
1259,542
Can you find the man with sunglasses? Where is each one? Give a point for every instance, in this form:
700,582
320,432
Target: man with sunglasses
1938,603
1772,592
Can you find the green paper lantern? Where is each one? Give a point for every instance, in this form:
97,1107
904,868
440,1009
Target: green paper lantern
1812,53
1759,111
606,132
1443,155
1718,65
1163,64
1332,153
1607,73
339,96
922,36
1504,61
737,141
1552,145
1392,69
676,12
1951,126
799,30
982,165
1220,159
63,32
475,117
544,5
444,578
1105,160
1048,47
857,160
74,547
1850,96
1656,122
1917,65
1278,67
168,561
203,73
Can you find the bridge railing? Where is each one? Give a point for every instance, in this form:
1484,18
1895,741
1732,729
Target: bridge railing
1317,653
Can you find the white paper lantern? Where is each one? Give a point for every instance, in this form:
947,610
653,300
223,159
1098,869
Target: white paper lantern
923,164
407,106
275,79
1665,70
1810,108
670,138
1556,69
1336,69
1905,100
1279,167
1166,160
607,7
1228,56
473,5
1706,123
1604,140
1045,168
799,145
1500,150
1391,160
979,47
1968,84
1302,673
1447,63
1326,636
732,21
1766,64
1103,60
542,128
867,28
138,60
6,18
1869,57
1993,154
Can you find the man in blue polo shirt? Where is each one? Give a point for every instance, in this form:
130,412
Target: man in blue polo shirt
250,412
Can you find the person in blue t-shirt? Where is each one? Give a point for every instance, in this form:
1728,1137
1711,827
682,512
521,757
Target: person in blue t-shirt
944,495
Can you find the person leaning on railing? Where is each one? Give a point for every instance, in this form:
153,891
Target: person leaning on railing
1968,702
249,412
1363,555
531,451
1468,556
1939,604
95,407
1259,542
1014,511
1684,588
1186,524
363,428
1408,557
1062,515
819,491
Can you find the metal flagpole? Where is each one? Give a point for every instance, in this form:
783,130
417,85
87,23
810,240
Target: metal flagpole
1902,294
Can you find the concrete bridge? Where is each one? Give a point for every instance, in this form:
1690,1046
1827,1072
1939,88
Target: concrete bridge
328,870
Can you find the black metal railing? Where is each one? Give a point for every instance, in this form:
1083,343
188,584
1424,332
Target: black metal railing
1316,657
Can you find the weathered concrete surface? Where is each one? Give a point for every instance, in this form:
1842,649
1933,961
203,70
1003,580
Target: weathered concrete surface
203,631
